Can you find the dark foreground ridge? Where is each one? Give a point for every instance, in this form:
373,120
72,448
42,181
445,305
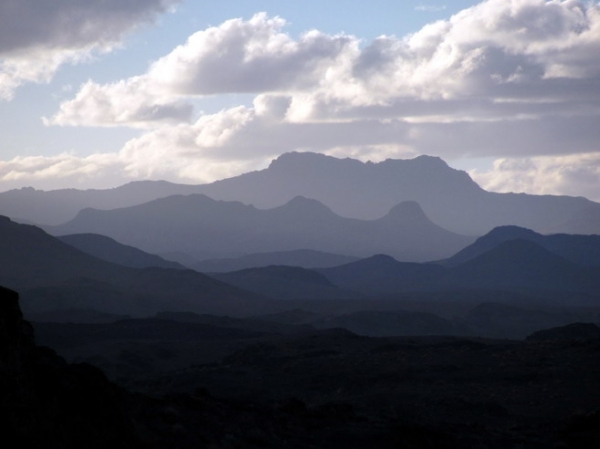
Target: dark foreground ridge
299,389
48,403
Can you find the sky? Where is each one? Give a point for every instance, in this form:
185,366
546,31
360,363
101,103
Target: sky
98,93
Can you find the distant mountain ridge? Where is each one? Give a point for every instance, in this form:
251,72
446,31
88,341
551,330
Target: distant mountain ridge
205,228
350,188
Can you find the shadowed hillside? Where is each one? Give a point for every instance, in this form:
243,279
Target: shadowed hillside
110,250
579,249
53,275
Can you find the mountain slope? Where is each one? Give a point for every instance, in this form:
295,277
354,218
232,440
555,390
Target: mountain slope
282,282
53,275
579,249
205,228
110,250
383,275
523,264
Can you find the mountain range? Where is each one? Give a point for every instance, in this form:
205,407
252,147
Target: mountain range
205,228
350,188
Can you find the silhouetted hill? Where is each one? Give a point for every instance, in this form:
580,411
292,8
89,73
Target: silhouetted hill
283,282
349,187
303,258
579,249
30,257
53,275
375,323
46,403
110,250
384,275
510,266
205,228
522,263
570,332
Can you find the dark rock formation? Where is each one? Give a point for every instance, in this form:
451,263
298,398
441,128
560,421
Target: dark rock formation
47,403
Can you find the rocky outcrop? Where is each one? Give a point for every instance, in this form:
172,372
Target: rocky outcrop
47,403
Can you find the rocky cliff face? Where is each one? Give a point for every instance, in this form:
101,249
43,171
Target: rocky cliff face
47,403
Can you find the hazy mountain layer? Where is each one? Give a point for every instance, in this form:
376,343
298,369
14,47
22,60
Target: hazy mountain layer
349,187
304,258
58,206
53,275
205,228
283,282
110,250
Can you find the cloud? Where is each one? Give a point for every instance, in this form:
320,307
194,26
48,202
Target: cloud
249,56
517,80
38,37
430,8
576,175
238,56
513,52
120,104
61,171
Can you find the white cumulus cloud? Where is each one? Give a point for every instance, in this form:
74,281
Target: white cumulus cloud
516,80
577,175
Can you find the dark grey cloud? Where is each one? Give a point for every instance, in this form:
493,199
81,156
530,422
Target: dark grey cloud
71,24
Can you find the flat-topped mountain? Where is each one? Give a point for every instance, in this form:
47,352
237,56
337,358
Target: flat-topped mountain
205,228
348,187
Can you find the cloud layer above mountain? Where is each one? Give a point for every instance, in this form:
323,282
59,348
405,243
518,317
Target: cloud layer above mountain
515,80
